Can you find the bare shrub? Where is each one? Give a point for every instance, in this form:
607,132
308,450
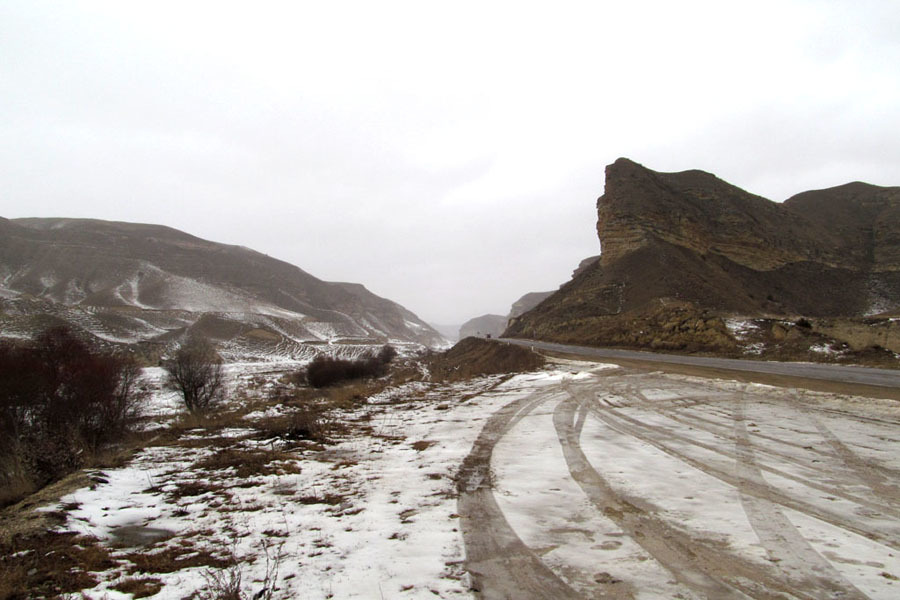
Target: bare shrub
324,370
226,583
60,401
196,373
308,423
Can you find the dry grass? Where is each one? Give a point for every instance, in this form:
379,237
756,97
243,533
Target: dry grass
330,499
50,564
26,569
175,558
247,463
422,445
139,587
310,422
15,489
186,489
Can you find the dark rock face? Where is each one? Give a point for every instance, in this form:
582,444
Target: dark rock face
693,240
127,281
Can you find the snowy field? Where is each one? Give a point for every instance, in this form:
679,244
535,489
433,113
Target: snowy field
371,516
614,483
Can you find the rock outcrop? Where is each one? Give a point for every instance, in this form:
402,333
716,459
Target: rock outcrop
526,303
694,241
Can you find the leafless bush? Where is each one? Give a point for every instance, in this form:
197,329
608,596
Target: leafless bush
59,402
324,370
308,423
196,373
226,584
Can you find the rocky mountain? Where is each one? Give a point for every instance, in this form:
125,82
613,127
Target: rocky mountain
681,249
526,303
127,282
483,326
494,325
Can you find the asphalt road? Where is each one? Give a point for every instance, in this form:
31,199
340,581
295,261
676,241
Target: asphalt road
884,378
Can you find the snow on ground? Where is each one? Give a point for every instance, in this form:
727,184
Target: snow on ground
552,515
670,447
372,516
740,328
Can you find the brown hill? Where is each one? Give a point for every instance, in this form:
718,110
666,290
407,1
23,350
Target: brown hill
132,282
483,326
691,246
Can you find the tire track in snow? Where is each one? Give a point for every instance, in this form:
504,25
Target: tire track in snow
867,473
665,544
884,504
501,565
655,436
828,489
792,553
680,411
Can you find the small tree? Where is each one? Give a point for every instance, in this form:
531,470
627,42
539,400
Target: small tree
386,354
196,373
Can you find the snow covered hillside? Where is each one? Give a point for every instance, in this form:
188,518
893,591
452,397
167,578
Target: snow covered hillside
129,283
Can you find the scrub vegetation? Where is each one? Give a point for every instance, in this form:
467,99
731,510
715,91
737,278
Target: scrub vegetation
61,403
325,371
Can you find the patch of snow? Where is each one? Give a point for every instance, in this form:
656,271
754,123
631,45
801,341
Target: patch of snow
740,328
8,294
552,515
822,349
414,326
48,281
756,348
393,532
324,331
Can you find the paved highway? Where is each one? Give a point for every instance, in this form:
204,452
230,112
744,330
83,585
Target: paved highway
888,378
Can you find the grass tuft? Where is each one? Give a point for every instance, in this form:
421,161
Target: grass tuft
139,587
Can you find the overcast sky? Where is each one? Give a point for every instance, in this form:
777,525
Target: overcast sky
448,155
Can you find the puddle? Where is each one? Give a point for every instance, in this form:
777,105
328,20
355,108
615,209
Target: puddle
139,535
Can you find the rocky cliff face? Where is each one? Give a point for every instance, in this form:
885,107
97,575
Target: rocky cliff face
526,303
699,212
696,242
127,282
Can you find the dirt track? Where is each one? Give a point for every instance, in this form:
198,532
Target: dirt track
630,484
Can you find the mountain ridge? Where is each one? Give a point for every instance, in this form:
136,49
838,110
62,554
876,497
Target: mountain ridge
693,245
116,267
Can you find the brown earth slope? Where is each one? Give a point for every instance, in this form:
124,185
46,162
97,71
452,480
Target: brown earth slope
681,250
129,281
